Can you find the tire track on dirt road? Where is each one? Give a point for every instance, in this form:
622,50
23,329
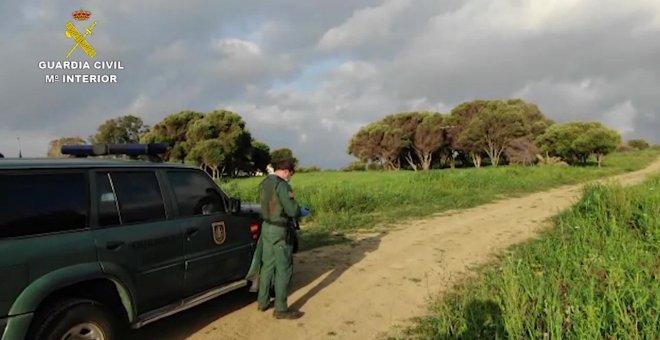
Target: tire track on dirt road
367,288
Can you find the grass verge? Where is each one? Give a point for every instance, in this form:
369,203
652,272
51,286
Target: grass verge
596,275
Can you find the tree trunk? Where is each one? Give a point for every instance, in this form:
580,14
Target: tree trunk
220,172
394,165
214,172
493,153
426,161
476,159
599,158
425,158
410,161
498,156
451,159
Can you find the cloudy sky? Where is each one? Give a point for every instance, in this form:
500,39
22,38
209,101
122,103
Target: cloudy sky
308,74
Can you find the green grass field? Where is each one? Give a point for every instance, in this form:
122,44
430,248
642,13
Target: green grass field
343,202
596,275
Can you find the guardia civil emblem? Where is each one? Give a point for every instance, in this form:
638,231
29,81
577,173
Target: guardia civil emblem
73,33
219,232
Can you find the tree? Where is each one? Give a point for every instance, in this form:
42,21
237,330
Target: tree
429,138
460,117
379,142
229,129
260,156
55,146
526,119
452,126
406,123
210,154
392,143
533,117
173,132
598,140
639,144
558,140
121,130
366,144
493,129
576,141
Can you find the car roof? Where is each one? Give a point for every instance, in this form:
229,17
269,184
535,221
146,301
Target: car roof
63,163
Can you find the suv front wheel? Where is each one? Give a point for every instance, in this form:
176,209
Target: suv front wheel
72,319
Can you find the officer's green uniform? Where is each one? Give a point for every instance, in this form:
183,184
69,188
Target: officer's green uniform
278,206
255,267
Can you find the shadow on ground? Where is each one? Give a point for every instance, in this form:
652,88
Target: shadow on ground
483,320
309,266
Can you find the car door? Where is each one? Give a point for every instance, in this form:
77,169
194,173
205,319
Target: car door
218,245
135,239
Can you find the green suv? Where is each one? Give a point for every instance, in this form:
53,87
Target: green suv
87,244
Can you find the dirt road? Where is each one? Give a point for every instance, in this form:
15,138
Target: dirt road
363,289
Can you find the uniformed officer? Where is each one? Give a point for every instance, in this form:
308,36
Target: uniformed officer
278,207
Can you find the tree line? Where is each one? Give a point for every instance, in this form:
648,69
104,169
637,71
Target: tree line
509,131
474,133
218,141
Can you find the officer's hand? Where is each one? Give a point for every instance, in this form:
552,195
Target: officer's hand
304,212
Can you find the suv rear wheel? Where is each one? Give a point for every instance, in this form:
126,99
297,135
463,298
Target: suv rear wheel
74,319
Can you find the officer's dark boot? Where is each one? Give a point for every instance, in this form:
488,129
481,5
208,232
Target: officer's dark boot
290,314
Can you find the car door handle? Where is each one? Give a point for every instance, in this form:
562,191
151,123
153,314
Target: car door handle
114,245
191,232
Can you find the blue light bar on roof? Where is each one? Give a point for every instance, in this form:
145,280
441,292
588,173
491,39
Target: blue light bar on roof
78,150
114,149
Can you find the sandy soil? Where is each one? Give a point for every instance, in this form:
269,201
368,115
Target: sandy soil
370,287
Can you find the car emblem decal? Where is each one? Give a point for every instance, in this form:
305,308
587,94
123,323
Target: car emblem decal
219,232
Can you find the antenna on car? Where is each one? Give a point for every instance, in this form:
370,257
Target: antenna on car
151,151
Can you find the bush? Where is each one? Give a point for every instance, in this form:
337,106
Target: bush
307,170
356,166
625,148
639,144
522,151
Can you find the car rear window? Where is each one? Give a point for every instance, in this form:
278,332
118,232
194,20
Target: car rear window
39,203
139,196
195,193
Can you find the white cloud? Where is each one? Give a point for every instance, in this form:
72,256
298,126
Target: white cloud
237,48
363,25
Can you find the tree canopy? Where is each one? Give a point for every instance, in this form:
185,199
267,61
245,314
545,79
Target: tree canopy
217,141
499,130
574,142
121,130
55,146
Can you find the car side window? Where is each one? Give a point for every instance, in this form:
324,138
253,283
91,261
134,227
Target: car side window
42,203
108,206
195,193
138,196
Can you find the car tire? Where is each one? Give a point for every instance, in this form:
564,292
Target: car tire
71,317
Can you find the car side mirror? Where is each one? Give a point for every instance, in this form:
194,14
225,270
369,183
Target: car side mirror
234,205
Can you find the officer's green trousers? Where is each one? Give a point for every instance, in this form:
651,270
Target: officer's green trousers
277,261
255,267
